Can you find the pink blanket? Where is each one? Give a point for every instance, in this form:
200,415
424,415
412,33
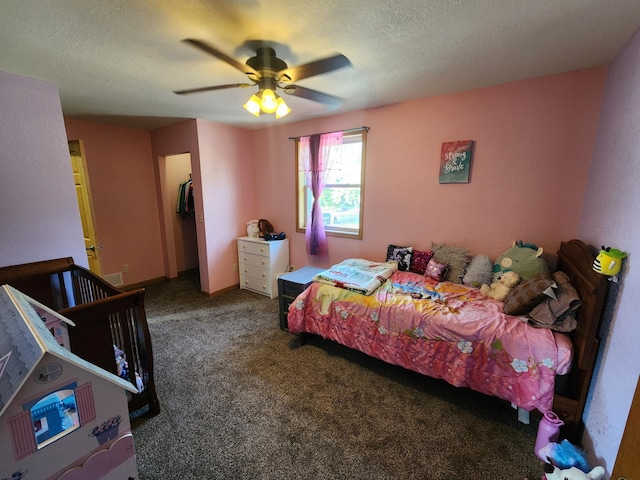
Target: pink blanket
443,330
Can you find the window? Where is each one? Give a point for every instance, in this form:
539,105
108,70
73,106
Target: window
342,199
54,416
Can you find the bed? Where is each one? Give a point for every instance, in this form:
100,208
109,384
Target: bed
111,328
450,331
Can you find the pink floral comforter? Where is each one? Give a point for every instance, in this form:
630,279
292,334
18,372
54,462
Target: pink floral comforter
443,330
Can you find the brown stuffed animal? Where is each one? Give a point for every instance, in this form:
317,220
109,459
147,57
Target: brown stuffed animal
265,226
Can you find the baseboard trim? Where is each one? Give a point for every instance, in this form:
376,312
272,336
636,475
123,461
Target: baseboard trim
220,292
134,286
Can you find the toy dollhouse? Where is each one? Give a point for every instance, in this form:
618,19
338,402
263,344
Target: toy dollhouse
61,417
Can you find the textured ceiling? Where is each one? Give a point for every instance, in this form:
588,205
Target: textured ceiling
119,61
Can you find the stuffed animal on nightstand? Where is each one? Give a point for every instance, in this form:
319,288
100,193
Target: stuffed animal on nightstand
252,228
499,289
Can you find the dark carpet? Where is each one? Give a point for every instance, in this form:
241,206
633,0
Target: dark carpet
242,399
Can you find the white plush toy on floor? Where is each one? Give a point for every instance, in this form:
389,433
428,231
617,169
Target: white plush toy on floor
573,473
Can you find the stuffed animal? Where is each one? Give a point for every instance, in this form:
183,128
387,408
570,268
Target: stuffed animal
265,227
498,290
573,473
523,258
252,228
564,455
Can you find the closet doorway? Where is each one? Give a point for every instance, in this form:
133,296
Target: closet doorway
179,217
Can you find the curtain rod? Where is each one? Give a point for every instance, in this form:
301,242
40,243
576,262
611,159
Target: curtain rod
349,130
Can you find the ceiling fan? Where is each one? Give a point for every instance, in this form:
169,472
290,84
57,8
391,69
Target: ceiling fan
271,73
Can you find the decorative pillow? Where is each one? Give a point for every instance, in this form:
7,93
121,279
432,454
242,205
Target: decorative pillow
436,270
522,298
419,261
456,257
478,271
402,255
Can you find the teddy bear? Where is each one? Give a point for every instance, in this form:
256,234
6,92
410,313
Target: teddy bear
499,289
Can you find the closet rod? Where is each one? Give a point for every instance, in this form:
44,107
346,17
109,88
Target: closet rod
349,130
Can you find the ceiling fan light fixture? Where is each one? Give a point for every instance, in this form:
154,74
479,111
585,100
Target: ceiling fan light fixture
282,108
269,101
253,105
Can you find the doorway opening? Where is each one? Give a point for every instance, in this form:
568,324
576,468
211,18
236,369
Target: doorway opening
181,252
85,205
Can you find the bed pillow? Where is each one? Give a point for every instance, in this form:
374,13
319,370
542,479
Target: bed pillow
456,257
419,261
522,298
436,270
402,255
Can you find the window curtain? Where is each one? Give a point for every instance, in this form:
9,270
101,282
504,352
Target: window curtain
317,159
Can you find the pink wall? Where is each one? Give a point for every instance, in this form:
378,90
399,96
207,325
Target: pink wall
39,218
226,164
534,142
123,188
610,217
177,139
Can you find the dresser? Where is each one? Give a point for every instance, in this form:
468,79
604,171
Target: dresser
292,284
260,262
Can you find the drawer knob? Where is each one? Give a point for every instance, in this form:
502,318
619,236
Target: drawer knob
261,249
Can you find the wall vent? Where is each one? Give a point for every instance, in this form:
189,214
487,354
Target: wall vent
115,279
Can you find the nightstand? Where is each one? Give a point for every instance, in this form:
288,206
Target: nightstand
292,284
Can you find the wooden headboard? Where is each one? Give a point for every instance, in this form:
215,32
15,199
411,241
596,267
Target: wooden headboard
575,258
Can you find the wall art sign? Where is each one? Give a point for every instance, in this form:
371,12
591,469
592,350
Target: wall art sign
455,161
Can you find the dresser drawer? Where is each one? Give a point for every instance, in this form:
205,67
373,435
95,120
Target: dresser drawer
256,284
255,260
291,289
255,248
254,272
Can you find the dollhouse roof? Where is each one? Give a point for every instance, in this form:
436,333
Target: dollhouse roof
25,340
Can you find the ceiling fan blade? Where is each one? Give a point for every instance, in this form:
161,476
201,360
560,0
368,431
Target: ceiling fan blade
313,95
243,67
208,89
293,74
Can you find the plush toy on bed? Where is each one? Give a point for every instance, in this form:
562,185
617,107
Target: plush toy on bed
498,290
523,258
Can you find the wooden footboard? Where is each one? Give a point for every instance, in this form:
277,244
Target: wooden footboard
104,316
575,259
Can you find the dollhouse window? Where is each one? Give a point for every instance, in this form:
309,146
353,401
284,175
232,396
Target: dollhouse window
55,416
51,417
